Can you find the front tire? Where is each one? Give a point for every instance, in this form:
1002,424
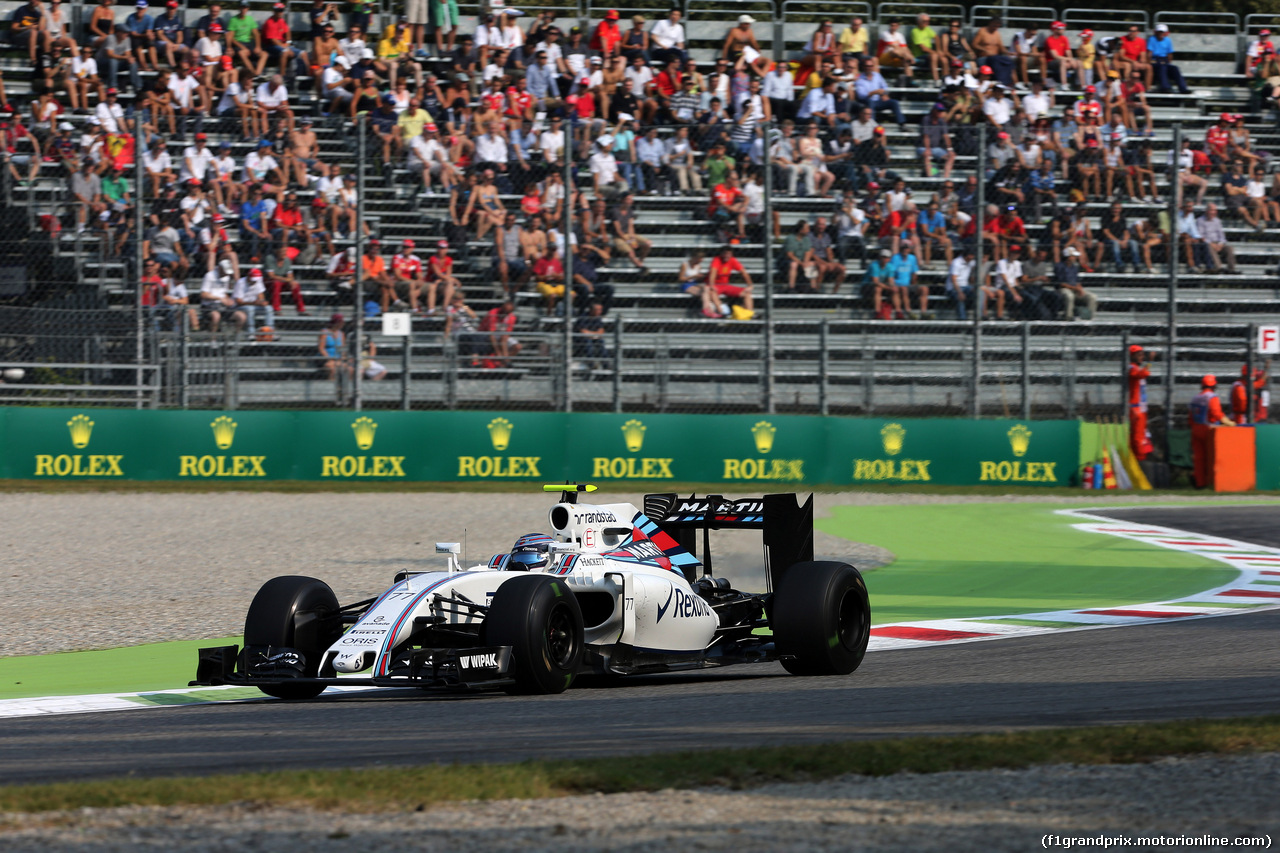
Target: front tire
539,618
294,612
821,619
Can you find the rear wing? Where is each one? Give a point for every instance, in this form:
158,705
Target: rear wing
787,525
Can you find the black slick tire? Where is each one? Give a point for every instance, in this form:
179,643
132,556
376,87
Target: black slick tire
294,612
821,619
539,618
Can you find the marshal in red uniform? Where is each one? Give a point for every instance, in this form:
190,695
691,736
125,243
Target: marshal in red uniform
1204,413
1240,396
1139,436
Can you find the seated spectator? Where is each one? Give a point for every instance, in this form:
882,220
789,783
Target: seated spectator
548,276
341,270
1215,240
588,335
440,276
377,276
692,280
935,142
797,257
1133,54
1160,53
250,296
960,280
498,325
587,284
1070,290
1026,50
720,278
1056,57
851,229
408,277
886,300
625,239
932,228
245,40
216,302
332,348
1038,291
279,270
1114,229
904,273
872,91
825,257
1008,282
1041,188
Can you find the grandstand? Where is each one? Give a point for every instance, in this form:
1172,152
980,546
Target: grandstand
827,352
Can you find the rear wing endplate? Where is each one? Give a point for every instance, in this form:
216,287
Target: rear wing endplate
787,524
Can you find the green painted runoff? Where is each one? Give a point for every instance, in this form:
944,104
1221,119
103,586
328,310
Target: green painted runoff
992,559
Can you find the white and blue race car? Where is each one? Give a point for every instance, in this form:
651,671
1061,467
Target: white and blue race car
612,589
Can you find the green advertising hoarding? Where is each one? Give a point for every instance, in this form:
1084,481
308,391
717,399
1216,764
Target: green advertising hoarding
1268,460
748,450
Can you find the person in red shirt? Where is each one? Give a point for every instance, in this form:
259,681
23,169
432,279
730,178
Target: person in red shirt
669,81
607,36
729,204
1240,396
548,273
406,271
499,323
1057,57
288,220
1133,54
440,276
723,266
519,101
1204,413
1217,139
276,39
1139,372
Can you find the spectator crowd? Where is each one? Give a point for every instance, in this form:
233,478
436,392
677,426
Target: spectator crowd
239,194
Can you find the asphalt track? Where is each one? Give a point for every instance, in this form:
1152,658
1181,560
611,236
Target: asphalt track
1193,668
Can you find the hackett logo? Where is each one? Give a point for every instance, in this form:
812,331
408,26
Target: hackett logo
77,464
631,467
500,430
224,435
763,434
363,429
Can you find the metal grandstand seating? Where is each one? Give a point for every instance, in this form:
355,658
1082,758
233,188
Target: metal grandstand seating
670,359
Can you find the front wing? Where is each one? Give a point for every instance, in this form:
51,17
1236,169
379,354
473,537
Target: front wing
424,668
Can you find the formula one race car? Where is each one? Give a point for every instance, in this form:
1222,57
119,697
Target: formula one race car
611,590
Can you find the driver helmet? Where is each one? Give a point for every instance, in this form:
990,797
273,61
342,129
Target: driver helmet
531,551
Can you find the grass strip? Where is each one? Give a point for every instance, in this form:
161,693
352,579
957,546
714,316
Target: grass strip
402,788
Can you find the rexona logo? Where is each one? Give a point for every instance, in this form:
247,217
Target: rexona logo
1016,470
763,469
499,466
893,438
220,465
364,429
631,467
79,464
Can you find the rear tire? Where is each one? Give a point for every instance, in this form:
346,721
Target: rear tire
821,619
271,621
539,618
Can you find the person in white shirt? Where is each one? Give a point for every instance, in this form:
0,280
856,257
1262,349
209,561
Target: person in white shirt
216,301
84,71
1008,281
188,98
604,169
159,166
428,156
336,85
209,50
960,280
551,142
250,296
111,115
196,159
273,101
261,167
779,88
226,190
491,147
353,46
1038,103
668,39
639,75
194,207
998,108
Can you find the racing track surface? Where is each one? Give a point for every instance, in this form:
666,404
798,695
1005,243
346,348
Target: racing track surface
1201,667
